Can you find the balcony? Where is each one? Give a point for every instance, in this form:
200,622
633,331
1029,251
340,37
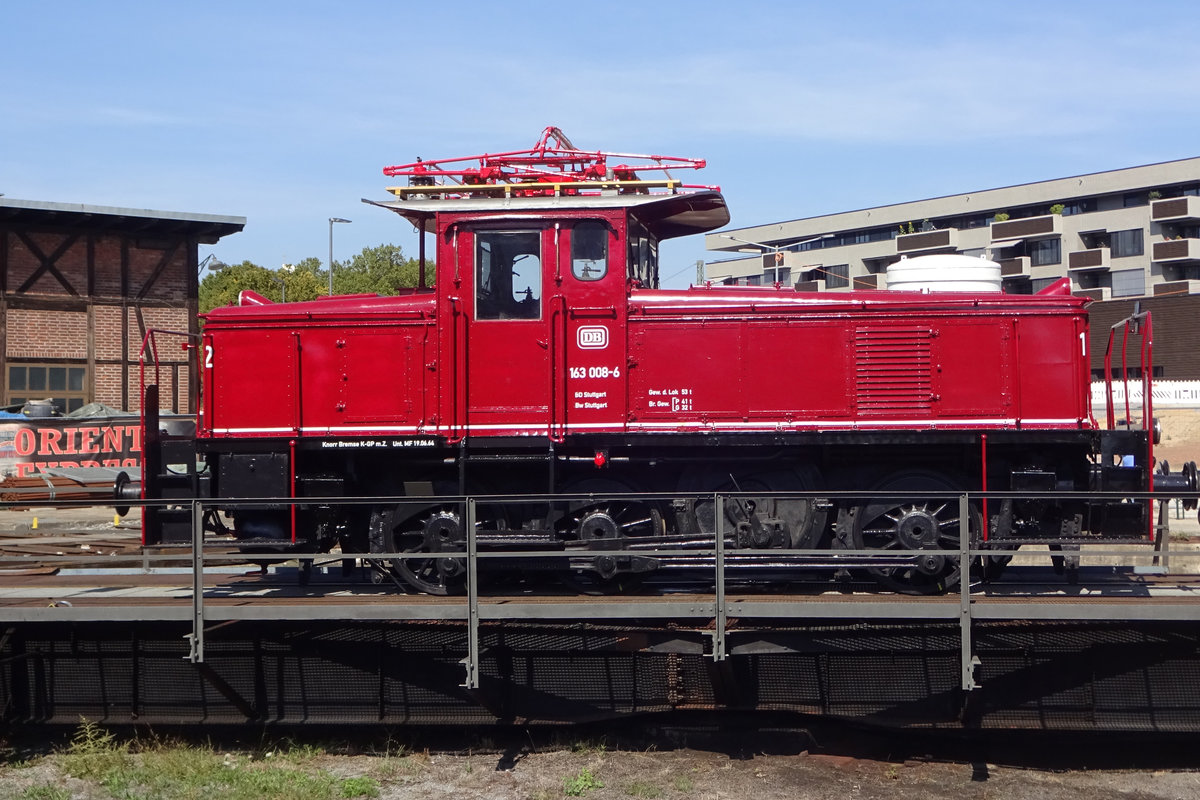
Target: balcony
1098,294
1019,267
1176,250
927,241
1175,209
1176,288
1093,260
1028,228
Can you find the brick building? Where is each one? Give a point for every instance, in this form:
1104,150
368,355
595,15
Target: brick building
80,286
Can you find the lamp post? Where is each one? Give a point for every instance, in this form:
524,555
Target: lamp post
331,221
778,250
775,248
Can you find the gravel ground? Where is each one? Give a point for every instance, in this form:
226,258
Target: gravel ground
671,772
789,768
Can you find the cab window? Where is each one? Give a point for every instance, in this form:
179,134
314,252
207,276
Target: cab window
508,275
589,251
643,257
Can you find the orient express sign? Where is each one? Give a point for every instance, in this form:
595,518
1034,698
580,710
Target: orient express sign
27,447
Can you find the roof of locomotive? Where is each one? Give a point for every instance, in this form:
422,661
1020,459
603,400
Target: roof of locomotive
665,215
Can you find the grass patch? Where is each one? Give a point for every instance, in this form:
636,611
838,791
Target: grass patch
643,789
44,793
173,771
683,783
581,783
361,786
589,746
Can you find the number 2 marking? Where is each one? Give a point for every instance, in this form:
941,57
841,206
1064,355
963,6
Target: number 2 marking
208,356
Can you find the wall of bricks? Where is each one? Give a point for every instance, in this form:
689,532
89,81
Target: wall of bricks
107,332
47,335
47,316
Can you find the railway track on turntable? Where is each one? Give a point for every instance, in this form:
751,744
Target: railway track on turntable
103,574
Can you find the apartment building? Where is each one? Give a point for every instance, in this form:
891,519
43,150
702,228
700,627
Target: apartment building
1124,233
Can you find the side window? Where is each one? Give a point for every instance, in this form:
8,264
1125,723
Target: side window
643,257
589,251
508,275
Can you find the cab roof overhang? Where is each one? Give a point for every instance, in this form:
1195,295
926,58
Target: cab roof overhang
665,216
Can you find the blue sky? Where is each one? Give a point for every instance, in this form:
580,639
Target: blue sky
285,113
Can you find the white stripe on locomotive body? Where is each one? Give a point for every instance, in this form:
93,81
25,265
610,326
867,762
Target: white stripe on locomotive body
764,426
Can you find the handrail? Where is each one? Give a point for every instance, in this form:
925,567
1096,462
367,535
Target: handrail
1140,324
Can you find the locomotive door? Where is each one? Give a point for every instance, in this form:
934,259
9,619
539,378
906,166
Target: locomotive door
507,344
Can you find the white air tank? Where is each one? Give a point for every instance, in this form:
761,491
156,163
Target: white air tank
944,273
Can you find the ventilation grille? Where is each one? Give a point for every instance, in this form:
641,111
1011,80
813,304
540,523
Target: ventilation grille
892,371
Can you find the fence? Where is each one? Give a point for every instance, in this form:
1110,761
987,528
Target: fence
1172,394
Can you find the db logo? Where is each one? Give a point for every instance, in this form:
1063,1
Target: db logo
593,337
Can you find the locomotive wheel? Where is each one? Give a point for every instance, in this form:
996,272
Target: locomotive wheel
605,524
927,525
436,531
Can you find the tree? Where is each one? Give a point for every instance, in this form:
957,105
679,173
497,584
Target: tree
380,270
221,288
376,270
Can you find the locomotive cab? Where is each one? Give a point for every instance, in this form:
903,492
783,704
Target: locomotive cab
536,303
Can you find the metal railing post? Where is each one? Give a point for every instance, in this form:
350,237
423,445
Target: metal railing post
1162,534
196,654
472,660
718,651
969,662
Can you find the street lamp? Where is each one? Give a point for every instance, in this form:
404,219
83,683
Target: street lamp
778,250
331,221
775,248
213,263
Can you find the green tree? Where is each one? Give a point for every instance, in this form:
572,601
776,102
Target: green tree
221,287
380,270
312,265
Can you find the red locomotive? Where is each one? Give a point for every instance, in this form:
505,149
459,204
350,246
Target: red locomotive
544,359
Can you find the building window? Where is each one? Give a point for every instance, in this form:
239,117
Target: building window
1125,243
837,276
1133,373
781,275
1129,283
1045,251
1079,207
1132,199
65,385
